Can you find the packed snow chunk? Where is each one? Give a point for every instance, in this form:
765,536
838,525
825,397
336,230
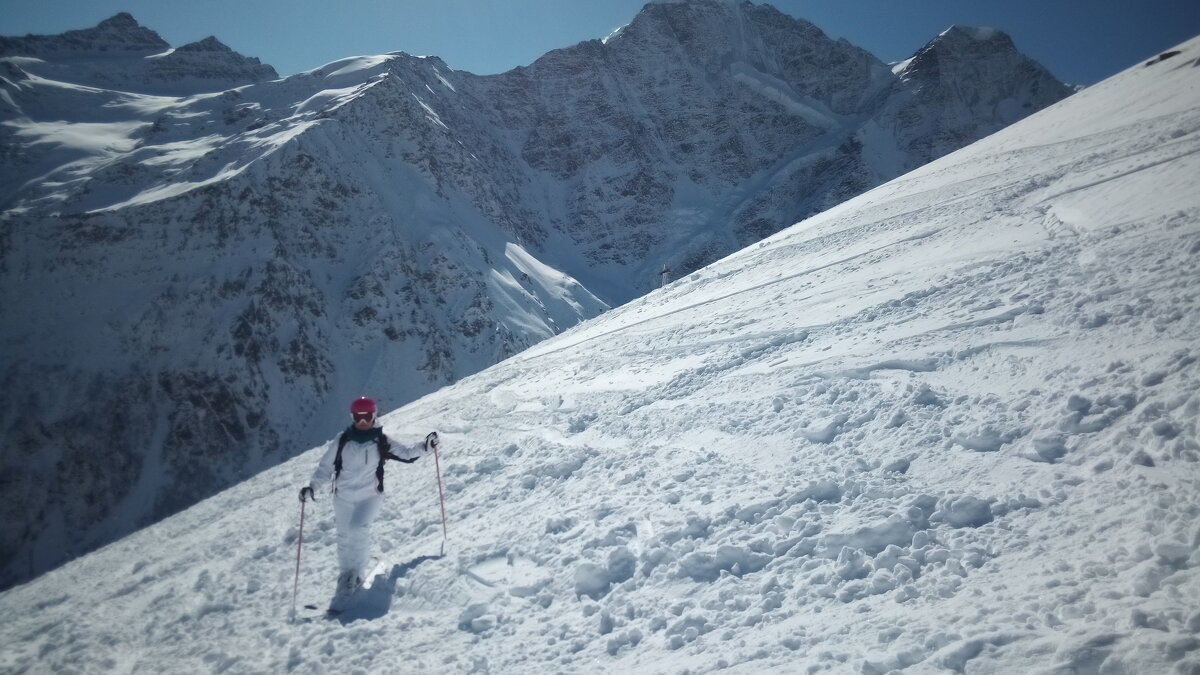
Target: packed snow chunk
819,491
851,564
874,538
755,513
1048,448
696,528
607,623
963,512
617,536
956,656
825,431
1174,553
706,567
1098,653
621,565
687,630
592,580
986,438
489,465
653,558
1165,429
894,662
1077,403
625,638
475,619
566,466
927,397
1085,416
559,525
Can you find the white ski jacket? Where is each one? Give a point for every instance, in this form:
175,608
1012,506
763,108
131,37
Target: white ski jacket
360,460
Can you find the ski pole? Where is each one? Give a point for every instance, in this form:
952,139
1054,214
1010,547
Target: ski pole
441,494
299,543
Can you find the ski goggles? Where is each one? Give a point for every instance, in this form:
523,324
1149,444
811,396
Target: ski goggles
363,417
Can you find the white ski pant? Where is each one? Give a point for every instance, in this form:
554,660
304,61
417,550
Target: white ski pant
354,516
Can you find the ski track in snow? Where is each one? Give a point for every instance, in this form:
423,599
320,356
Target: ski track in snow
949,426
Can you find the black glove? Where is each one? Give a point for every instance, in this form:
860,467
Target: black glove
431,440
393,456
311,495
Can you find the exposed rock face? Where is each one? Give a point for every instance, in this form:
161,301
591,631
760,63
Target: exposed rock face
702,127
965,84
201,264
656,133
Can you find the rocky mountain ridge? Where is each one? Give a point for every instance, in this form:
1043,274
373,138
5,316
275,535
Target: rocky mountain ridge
121,54
119,34
201,281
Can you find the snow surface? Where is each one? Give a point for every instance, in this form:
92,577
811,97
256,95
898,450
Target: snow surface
949,425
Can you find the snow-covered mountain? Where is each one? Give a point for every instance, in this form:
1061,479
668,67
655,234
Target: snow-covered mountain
948,115
702,127
194,285
123,55
950,425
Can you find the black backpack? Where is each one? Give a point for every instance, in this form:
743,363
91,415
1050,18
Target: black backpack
385,453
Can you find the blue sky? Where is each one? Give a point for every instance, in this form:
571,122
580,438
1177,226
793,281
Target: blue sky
1080,41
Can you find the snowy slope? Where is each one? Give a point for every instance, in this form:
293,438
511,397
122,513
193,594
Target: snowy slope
950,425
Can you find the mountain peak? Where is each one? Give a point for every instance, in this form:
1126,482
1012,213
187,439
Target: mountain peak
961,51
716,33
136,59
208,44
120,20
120,33
732,12
969,74
956,35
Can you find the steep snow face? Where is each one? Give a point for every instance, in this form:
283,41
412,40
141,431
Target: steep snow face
199,283
948,425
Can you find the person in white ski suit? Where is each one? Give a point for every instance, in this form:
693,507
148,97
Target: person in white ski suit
357,486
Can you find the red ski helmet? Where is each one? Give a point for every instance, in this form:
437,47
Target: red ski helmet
362,405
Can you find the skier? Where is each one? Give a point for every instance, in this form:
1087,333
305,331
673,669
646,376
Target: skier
353,468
